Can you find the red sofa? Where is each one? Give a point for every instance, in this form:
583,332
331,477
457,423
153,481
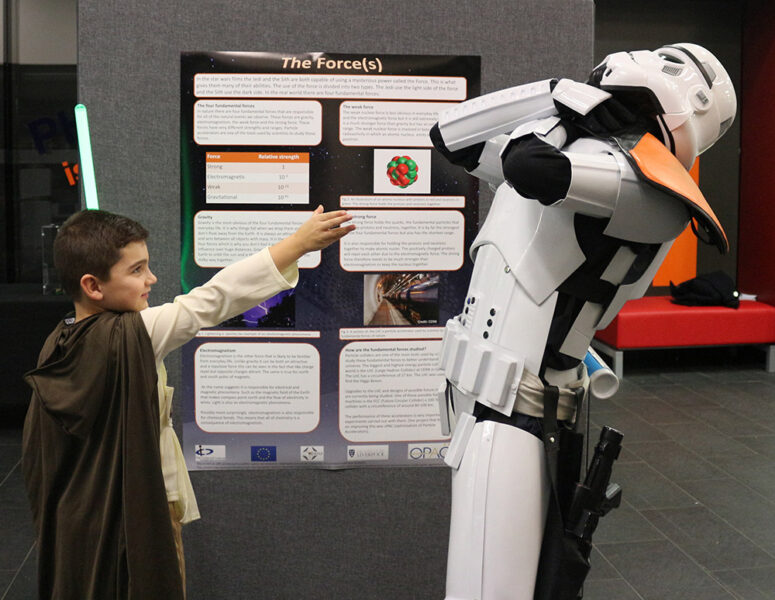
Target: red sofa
655,322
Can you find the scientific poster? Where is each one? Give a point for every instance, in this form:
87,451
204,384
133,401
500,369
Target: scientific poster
342,370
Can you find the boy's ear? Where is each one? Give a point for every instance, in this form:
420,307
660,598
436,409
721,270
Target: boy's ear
91,288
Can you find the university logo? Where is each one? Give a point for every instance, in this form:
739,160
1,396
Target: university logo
371,452
209,452
312,453
427,451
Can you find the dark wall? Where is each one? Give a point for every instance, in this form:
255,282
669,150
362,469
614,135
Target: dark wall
716,25
756,266
353,534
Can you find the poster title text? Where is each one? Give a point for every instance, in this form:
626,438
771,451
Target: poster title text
324,63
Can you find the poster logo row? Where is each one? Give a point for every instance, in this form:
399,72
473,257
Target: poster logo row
308,453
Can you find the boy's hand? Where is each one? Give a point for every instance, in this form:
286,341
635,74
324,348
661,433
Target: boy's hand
317,232
322,229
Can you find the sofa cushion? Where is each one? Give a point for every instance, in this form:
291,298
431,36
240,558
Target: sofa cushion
655,322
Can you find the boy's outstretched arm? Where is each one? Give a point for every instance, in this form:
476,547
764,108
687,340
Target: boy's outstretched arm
241,285
320,230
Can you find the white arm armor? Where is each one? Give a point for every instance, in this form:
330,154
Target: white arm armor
488,116
603,184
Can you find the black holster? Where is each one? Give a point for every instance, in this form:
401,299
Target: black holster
564,561
574,507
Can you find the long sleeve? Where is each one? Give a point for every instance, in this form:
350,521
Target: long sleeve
232,290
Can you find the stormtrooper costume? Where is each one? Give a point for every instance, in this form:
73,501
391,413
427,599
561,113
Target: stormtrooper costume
592,189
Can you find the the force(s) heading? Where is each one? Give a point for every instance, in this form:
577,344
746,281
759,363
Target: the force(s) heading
323,63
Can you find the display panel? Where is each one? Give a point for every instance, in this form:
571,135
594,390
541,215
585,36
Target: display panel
342,370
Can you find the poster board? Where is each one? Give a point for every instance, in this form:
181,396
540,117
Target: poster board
342,370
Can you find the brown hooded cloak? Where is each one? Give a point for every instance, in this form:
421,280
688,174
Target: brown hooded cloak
92,468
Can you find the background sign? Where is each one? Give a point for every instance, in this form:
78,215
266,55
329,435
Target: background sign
341,371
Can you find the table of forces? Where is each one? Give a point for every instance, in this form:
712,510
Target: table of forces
257,177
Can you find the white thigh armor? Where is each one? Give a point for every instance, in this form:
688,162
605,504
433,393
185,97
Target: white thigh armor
499,501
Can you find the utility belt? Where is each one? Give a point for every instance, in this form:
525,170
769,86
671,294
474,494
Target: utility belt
460,411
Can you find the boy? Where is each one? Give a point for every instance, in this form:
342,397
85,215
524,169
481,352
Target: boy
102,465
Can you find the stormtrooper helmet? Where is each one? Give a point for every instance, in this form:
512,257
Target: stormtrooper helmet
683,86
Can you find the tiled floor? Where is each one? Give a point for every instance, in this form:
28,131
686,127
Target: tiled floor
697,520
17,554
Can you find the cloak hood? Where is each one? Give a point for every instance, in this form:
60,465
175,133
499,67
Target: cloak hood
69,392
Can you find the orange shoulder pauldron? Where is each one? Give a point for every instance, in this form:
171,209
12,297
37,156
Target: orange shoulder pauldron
655,164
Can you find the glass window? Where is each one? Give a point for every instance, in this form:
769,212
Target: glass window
39,171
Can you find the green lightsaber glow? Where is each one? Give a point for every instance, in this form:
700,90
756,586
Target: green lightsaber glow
87,165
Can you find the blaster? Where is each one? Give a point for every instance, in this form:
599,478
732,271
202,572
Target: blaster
596,496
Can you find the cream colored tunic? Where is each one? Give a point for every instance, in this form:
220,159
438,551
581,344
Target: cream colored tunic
231,291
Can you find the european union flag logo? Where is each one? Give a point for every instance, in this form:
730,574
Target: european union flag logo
263,453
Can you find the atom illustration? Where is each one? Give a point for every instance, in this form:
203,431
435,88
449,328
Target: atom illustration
402,171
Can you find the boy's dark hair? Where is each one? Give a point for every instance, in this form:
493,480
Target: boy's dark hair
90,241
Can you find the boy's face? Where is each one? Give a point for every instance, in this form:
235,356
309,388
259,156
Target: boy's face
130,280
